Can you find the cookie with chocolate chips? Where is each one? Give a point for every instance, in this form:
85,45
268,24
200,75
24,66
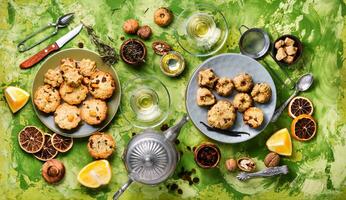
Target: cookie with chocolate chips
101,85
94,111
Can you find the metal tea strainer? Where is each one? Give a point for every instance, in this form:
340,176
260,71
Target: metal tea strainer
151,157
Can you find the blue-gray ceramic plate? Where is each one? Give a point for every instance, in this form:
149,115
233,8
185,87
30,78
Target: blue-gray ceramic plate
230,65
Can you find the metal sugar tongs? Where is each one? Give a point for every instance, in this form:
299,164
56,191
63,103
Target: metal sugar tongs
61,22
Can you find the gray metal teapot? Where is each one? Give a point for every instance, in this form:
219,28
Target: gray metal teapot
151,157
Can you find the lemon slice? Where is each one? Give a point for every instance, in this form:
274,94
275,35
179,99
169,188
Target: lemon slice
16,98
95,174
280,142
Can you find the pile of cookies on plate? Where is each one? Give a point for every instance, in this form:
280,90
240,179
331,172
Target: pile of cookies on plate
222,113
67,86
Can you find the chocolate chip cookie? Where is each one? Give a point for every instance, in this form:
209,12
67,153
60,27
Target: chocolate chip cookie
100,145
94,111
243,82
67,116
47,98
242,101
101,85
222,115
86,67
261,92
205,97
73,95
207,78
224,86
67,64
253,117
53,77
72,77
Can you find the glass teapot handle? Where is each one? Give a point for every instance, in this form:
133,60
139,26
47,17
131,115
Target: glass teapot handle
172,133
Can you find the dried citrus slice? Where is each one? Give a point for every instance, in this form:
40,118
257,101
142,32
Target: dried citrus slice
61,143
16,98
280,142
95,174
31,139
303,127
300,105
48,151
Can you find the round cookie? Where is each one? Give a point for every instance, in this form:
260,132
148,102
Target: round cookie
242,101
101,146
224,86
47,98
72,77
207,78
243,82
261,93
94,111
86,67
67,116
73,95
101,85
222,115
66,64
253,117
53,77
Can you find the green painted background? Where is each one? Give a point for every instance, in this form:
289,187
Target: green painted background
317,168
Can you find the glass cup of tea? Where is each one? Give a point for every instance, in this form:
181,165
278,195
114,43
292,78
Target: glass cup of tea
146,102
201,30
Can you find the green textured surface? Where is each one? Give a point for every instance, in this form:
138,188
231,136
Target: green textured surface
317,168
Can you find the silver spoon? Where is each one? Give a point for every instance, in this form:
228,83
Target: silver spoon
61,22
302,85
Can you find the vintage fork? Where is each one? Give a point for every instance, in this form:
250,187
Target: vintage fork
271,171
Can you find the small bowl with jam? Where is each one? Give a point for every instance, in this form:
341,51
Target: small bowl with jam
207,155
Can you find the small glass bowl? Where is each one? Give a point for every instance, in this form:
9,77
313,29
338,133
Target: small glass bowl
146,102
169,66
193,45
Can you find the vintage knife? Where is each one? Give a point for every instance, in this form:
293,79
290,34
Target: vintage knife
53,47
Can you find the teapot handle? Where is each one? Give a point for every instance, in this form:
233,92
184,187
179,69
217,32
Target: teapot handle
172,133
118,193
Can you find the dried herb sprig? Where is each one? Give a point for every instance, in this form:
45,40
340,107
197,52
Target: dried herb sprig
107,53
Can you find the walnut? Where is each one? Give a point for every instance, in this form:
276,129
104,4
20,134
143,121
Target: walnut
144,32
131,26
272,160
231,165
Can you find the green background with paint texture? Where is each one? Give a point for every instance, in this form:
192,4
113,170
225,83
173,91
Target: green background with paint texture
317,168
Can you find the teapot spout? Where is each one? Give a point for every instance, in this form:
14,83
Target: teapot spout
172,133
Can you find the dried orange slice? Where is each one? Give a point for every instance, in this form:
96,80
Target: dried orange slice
95,174
48,152
303,127
31,139
61,143
300,105
280,142
16,98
